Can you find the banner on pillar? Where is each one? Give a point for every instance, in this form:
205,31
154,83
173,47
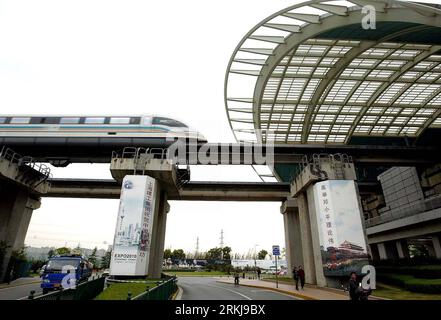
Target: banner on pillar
131,245
342,241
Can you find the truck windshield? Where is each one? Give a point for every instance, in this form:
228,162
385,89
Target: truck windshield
58,264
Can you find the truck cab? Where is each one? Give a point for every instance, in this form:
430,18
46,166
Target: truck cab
61,270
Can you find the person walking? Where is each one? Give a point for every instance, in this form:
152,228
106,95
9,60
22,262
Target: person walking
236,278
295,275
353,287
301,275
258,273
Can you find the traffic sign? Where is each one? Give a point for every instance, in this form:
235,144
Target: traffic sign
276,250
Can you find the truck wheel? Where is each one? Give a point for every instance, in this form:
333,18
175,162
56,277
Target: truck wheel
45,291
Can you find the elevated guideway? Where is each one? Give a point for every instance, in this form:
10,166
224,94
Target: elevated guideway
100,151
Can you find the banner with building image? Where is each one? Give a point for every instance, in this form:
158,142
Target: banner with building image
342,241
131,245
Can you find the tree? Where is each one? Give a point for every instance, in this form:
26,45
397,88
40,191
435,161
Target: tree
62,251
92,258
51,253
36,264
226,253
214,254
105,260
167,253
178,254
262,254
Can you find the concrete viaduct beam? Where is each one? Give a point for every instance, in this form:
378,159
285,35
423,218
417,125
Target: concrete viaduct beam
22,182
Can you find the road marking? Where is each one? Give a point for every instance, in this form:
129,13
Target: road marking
236,292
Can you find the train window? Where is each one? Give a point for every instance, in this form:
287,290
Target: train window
2,119
135,120
70,120
94,120
20,120
120,120
168,122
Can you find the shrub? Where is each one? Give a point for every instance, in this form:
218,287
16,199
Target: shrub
424,271
412,284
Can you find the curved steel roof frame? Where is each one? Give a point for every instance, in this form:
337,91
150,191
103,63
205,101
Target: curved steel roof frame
312,87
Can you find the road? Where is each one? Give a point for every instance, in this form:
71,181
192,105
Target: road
207,288
19,291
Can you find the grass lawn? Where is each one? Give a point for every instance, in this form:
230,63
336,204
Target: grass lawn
197,274
281,279
396,293
118,291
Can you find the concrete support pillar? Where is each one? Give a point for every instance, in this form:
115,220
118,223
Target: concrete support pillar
315,237
306,239
382,251
16,207
402,249
436,246
293,240
158,235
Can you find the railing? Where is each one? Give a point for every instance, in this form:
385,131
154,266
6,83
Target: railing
27,165
314,162
10,155
142,155
84,291
163,291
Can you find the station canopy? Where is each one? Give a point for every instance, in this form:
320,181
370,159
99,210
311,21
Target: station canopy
311,73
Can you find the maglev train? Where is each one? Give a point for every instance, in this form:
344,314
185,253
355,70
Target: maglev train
65,139
71,126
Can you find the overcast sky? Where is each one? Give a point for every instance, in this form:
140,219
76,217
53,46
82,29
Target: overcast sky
134,57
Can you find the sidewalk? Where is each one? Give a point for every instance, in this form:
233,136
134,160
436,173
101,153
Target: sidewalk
309,292
20,282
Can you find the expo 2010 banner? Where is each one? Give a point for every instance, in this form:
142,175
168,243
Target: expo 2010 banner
131,245
342,241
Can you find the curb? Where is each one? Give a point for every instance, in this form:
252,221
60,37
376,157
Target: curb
178,294
290,293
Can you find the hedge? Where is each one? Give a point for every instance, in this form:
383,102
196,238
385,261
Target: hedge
424,272
411,283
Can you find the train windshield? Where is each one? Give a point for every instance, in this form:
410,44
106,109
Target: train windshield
168,122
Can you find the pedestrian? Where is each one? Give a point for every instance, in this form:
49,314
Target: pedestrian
354,293
236,277
258,273
301,274
295,275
